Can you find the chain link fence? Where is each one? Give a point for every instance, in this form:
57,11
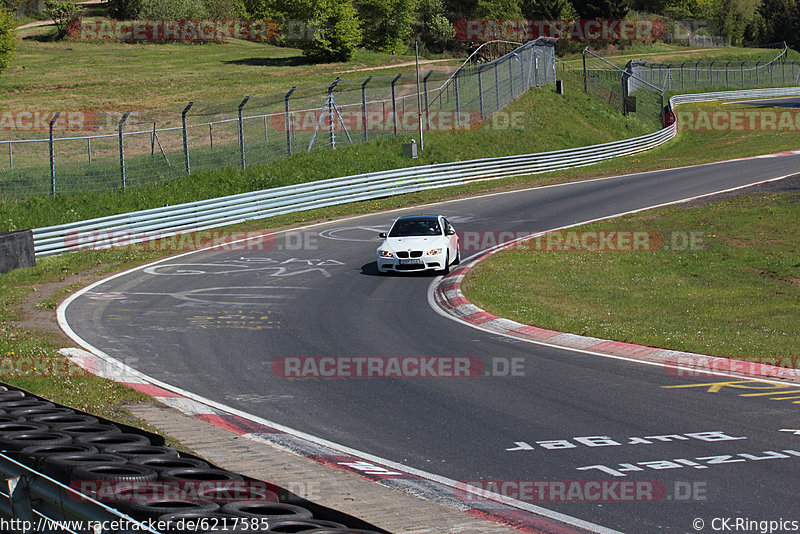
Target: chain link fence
638,89
81,151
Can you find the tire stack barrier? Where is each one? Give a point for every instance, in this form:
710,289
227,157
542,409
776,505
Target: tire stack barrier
134,472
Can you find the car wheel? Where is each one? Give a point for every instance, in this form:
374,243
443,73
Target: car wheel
446,270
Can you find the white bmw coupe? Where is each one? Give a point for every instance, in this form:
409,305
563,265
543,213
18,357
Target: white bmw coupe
419,243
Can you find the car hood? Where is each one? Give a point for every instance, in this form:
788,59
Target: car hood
413,243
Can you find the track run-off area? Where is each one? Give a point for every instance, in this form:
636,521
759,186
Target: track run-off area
639,447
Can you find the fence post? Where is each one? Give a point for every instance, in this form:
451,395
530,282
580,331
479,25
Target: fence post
241,131
394,103
53,156
186,137
726,74
585,79
497,87
742,74
480,94
458,99
122,148
757,81
427,109
10,157
682,64
511,78
288,121
89,149
332,112
364,106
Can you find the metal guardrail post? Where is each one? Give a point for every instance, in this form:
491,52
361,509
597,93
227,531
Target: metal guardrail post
364,106
20,499
122,148
288,121
53,155
241,132
186,137
427,109
394,103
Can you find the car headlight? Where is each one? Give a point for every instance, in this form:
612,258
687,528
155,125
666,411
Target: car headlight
434,252
385,254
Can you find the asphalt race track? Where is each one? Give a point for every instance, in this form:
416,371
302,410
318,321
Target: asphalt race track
213,322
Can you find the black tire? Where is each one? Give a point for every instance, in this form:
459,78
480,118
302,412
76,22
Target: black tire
224,492
269,511
9,418
143,451
154,509
160,464
16,441
29,413
194,474
446,270
60,466
36,454
116,472
61,419
302,525
104,441
21,404
10,394
77,430
21,426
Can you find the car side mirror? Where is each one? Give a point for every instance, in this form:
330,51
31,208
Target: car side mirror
451,231
382,235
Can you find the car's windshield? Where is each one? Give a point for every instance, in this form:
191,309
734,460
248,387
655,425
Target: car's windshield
415,227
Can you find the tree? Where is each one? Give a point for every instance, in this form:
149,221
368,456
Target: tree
436,31
601,9
62,12
547,9
498,9
334,27
8,38
387,23
730,18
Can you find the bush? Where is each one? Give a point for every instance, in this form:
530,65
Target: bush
8,39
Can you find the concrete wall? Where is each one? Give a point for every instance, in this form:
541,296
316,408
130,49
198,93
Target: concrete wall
16,250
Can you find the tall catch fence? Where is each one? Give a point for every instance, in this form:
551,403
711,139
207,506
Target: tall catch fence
84,151
638,89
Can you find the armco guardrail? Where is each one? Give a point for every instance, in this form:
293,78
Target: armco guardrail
164,222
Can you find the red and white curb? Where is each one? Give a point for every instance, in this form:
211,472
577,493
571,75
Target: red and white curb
521,516
448,298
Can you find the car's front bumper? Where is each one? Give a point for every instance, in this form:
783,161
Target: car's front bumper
426,263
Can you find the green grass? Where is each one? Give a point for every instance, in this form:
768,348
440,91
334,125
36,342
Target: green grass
111,76
584,121
734,294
